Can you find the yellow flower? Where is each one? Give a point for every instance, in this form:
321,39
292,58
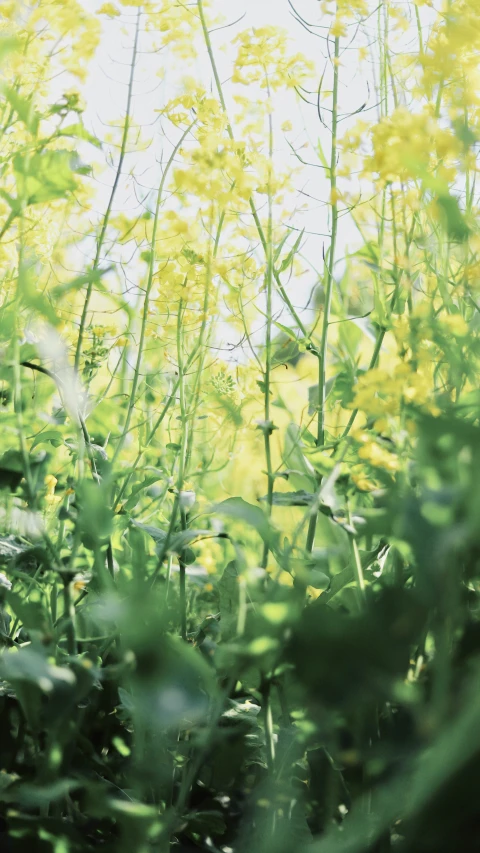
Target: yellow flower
313,593
263,58
285,579
108,9
407,144
50,482
455,324
378,456
365,484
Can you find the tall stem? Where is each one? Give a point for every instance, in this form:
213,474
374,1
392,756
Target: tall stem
256,219
146,304
323,352
267,429
106,218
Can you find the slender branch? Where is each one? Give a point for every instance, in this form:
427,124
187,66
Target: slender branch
323,351
146,304
106,218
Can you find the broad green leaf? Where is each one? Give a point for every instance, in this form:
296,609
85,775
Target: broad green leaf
95,516
301,472
48,436
23,107
290,333
30,666
157,534
78,131
8,44
45,176
229,593
91,277
31,613
10,548
293,251
253,516
300,498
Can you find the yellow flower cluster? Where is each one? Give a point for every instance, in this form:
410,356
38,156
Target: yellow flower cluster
380,394
406,145
177,24
421,330
377,455
195,102
216,172
69,20
50,482
263,58
108,9
453,50
343,12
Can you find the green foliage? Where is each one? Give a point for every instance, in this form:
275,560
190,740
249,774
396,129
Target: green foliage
45,176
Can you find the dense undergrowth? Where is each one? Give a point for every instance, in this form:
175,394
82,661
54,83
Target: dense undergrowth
240,448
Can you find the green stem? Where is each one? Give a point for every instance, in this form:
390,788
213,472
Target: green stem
253,209
69,614
357,565
106,218
398,273
183,584
323,352
197,382
11,216
146,304
267,430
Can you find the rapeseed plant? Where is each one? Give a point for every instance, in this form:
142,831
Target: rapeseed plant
238,491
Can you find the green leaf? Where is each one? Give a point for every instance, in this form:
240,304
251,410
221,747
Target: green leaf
78,131
91,277
157,534
30,666
238,509
337,583
45,176
454,221
10,548
369,253
229,592
286,352
179,541
207,822
48,436
38,796
8,44
280,246
301,472
172,684
456,227
263,645
322,158
317,579
313,402
321,461
293,251
12,468
300,498
95,515
290,333
31,613
23,107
